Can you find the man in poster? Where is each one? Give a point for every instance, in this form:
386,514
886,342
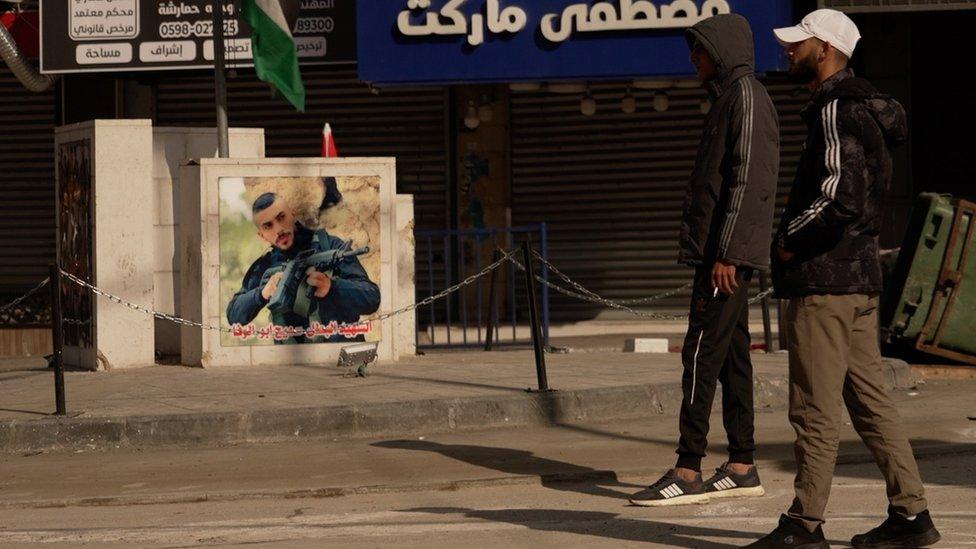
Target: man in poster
343,297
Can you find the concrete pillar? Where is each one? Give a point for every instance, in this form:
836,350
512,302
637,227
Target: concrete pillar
104,198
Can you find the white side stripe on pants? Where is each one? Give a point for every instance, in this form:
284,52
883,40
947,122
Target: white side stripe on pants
694,366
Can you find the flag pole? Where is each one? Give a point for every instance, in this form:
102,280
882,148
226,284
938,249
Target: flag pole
220,79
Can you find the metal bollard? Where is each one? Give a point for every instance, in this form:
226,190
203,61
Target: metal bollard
57,332
492,309
540,355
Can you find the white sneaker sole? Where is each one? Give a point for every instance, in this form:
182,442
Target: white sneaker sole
689,499
754,492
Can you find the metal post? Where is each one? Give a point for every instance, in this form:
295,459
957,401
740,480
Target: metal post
540,355
544,250
220,79
57,325
767,329
492,310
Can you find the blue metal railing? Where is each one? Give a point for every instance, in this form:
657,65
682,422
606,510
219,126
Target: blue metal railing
448,256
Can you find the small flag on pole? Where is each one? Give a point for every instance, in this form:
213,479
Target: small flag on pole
275,58
329,149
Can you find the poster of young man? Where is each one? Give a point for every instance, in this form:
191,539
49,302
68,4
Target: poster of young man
299,259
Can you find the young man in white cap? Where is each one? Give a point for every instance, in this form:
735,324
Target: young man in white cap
825,262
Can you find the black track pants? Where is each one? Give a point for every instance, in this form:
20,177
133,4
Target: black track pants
717,349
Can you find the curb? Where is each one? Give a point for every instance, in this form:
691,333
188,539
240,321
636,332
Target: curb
385,419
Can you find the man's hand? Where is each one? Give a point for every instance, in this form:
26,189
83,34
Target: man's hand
723,277
320,281
784,255
272,286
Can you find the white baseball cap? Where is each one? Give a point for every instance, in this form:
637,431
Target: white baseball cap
828,25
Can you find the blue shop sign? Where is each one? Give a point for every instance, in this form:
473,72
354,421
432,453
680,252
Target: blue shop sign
453,41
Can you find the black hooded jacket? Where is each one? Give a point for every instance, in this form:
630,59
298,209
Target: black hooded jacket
834,213
728,209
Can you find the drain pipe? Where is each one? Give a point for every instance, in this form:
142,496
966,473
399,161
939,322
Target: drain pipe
22,69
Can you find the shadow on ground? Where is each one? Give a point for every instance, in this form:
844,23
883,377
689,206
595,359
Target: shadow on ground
850,453
552,473
604,525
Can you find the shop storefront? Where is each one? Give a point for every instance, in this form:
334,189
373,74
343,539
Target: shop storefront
600,122
27,122
511,113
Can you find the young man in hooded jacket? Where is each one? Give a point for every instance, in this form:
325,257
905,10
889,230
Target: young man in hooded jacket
826,264
725,235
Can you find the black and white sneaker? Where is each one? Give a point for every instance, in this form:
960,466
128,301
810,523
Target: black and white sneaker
671,490
727,484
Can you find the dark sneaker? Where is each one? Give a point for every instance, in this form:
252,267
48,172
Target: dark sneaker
727,484
897,532
791,535
671,490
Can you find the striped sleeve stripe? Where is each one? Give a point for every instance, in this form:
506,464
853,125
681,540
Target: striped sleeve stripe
832,161
745,152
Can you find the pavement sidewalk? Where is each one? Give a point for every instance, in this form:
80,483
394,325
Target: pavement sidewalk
435,393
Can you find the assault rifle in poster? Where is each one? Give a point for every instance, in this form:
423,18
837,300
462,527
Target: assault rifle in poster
294,295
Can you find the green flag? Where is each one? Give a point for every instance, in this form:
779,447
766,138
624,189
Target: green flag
275,58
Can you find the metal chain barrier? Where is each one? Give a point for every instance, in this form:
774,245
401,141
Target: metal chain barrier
507,256
670,293
761,296
24,297
578,292
594,298
585,294
175,319
581,289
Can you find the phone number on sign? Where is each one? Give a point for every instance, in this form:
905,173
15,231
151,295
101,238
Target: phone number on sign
307,25
202,29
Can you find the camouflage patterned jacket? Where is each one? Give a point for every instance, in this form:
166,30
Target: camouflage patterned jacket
834,213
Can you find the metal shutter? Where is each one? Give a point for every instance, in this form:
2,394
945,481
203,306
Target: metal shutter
27,222
611,186
408,124
887,6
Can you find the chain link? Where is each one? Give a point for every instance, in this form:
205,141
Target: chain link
594,298
24,297
580,293
584,294
175,319
184,322
761,296
506,256
581,289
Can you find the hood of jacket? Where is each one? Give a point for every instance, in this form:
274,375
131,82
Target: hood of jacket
886,111
728,40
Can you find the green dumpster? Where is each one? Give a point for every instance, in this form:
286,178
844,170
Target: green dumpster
930,301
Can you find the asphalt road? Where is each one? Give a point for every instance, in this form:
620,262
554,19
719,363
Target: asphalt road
504,488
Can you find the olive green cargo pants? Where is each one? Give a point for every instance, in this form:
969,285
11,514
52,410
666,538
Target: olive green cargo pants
835,359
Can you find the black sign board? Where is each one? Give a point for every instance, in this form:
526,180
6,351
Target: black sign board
131,35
